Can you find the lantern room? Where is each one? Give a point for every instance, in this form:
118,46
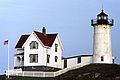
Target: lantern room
102,19
102,16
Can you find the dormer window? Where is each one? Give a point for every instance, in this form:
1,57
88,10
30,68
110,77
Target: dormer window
56,47
33,45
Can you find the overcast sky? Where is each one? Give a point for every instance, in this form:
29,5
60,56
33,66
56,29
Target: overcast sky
69,18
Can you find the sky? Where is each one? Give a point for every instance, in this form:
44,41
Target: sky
71,19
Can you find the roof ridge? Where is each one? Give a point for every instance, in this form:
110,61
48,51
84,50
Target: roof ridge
47,33
47,39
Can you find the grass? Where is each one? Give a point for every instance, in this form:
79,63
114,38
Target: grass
88,72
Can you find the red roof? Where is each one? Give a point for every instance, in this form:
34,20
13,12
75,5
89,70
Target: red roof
21,41
47,39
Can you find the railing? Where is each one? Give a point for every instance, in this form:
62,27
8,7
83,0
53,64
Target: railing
44,74
110,21
30,73
96,21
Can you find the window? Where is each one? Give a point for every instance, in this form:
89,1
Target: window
33,58
48,58
79,59
56,58
102,58
33,45
56,46
99,17
18,59
105,17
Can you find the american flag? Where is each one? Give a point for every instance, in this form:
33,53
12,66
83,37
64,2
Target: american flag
6,42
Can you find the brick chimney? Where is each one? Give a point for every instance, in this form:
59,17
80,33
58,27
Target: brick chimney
44,30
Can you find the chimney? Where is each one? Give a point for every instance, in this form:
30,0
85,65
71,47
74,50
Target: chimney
44,30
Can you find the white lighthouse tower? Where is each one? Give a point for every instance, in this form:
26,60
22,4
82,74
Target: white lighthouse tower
102,51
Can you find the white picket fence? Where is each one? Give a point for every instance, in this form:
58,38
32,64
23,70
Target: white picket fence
43,74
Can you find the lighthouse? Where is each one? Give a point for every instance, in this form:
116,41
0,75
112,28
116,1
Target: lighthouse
102,50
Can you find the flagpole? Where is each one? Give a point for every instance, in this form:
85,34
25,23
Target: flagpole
8,59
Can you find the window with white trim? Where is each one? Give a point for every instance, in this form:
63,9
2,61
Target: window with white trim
79,59
34,45
48,58
56,58
56,47
102,58
33,58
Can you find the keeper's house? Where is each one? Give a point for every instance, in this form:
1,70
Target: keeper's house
38,51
